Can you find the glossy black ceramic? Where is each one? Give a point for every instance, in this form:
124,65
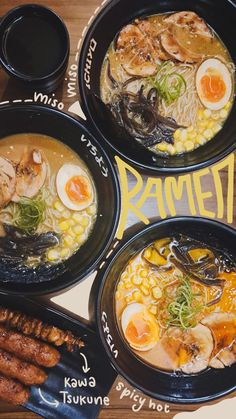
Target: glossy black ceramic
219,14
43,120
172,387
49,41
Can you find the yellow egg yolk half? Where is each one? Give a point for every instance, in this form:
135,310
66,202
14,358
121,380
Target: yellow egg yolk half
141,330
213,87
77,189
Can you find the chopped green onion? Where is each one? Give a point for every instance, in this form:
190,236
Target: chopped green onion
31,212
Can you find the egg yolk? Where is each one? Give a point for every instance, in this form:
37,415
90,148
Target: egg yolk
213,87
141,330
77,189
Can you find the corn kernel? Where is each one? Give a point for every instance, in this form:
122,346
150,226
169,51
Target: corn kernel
71,222
145,282
71,233
210,124
223,113
118,295
162,147
184,135
207,113
128,285
84,221
179,147
192,135
66,214
200,114
91,210
190,129
137,296
78,229
53,255
171,149
120,286
200,139
64,253
128,299
68,240
177,134
144,290
153,310
58,206
157,293
189,145
64,225
137,280
228,106
124,275
208,134
77,217
143,273
216,128
152,282
81,239
215,116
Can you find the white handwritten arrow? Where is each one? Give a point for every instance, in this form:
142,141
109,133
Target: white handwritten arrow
85,367
54,403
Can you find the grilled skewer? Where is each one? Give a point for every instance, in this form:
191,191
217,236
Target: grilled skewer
28,349
34,327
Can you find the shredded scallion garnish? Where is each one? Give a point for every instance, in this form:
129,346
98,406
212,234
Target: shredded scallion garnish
183,311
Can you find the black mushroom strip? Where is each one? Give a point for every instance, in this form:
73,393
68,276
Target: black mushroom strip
138,114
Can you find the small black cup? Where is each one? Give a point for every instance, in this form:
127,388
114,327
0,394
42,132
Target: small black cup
34,46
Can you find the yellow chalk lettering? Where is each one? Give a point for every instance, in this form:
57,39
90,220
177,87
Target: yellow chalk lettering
229,161
128,195
157,184
202,196
175,187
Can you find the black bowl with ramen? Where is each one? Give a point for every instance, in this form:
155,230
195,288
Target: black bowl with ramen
140,371
60,200
132,116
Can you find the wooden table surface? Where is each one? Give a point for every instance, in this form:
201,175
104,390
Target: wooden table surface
76,14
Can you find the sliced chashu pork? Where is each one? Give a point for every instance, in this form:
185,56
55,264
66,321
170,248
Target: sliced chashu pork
7,181
223,329
192,21
152,31
136,53
172,47
188,351
31,173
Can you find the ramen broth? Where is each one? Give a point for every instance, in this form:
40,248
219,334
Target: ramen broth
176,306
168,80
47,203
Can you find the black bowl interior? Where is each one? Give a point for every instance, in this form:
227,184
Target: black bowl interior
56,51
171,387
113,17
39,119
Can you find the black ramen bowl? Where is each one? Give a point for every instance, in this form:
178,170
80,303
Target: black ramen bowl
172,387
40,119
103,30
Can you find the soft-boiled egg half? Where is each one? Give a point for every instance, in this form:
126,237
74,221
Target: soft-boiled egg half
214,84
140,327
74,187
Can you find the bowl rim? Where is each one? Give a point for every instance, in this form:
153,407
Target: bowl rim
117,200
103,274
83,96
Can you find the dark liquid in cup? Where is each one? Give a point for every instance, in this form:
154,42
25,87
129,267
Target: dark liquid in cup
34,46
